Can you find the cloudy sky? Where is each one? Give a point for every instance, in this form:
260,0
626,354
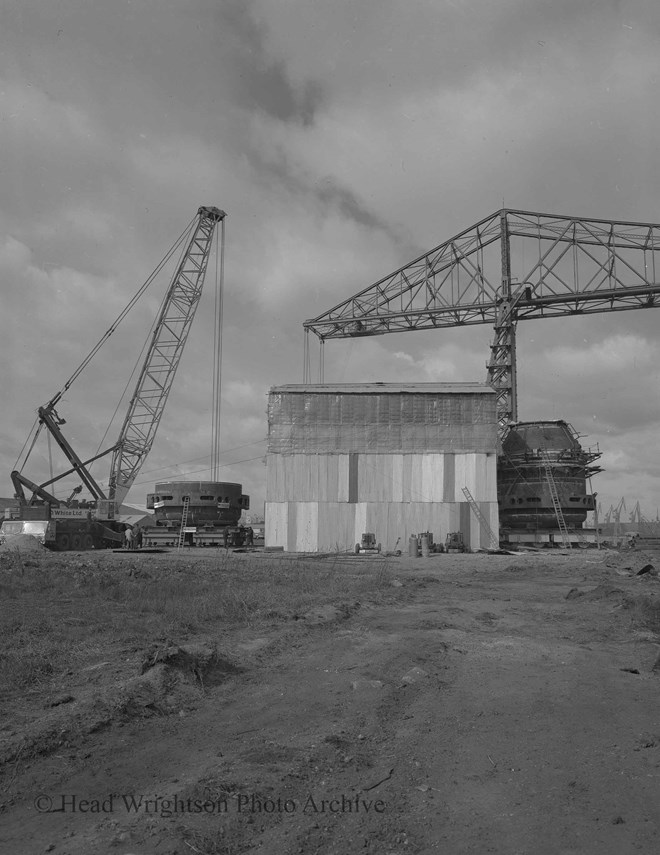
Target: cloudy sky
343,139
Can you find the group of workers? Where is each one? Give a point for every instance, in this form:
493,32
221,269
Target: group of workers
133,537
242,536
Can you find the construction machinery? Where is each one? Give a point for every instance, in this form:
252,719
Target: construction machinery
617,531
367,543
455,542
92,523
426,543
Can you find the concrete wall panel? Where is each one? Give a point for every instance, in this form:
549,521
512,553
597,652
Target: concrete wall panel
449,478
277,514
336,526
433,477
326,526
397,477
342,477
360,526
307,523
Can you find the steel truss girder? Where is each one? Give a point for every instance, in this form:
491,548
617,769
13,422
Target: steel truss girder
579,266
449,286
162,360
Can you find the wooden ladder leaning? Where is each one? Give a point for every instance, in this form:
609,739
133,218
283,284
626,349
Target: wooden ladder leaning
476,510
184,521
554,496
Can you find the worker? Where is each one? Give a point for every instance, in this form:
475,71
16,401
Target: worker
128,535
137,533
249,536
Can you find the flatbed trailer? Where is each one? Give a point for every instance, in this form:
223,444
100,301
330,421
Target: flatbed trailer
549,538
196,536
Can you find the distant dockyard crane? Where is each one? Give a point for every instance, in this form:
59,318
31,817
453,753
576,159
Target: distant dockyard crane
578,267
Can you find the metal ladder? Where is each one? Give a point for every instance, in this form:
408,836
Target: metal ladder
554,496
476,510
184,520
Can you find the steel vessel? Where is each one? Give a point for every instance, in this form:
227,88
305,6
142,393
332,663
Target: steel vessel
537,457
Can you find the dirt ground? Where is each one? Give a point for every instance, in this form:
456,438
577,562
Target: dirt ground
451,704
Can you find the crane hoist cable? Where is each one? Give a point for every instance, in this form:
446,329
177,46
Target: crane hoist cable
121,316
36,427
217,352
179,242
164,353
179,463
217,357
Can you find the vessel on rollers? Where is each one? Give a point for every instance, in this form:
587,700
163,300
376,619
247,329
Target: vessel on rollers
207,513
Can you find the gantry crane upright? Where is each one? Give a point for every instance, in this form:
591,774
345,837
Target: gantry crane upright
578,266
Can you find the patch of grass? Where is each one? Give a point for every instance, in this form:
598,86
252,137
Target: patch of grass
28,664
646,612
63,609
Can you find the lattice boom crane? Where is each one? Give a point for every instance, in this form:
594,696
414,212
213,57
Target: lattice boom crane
155,381
74,528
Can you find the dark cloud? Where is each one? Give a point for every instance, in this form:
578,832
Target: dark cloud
260,81
330,193
343,139
383,50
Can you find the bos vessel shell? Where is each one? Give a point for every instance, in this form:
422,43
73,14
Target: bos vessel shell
211,503
535,454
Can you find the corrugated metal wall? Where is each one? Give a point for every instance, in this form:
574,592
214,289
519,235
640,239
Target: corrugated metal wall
309,506
319,498
328,526
380,477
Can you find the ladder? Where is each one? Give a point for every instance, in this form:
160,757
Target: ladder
184,520
476,510
554,496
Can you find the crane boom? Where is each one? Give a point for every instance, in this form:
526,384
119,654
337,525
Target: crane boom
162,360
578,266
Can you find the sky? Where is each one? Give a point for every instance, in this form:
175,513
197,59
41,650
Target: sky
343,140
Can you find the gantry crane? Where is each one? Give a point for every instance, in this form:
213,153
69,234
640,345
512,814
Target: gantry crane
571,266
617,517
146,404
645,526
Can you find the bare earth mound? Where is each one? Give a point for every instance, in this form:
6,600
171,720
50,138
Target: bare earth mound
24,543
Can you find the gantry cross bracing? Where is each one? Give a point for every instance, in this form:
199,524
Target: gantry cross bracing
564,266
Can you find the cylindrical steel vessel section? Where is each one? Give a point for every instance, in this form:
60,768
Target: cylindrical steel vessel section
212,503
523,487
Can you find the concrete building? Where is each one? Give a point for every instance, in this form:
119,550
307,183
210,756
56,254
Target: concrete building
392,459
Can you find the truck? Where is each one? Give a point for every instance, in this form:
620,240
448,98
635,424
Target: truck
61,529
